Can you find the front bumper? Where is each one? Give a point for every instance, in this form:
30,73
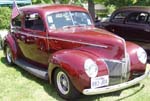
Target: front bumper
115,87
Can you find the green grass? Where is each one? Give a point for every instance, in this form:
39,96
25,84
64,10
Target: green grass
18,85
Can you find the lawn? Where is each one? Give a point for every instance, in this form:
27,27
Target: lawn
18,85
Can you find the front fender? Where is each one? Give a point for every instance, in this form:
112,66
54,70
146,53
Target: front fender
72,62
136,65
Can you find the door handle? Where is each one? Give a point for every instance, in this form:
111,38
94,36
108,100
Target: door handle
22,37
113,30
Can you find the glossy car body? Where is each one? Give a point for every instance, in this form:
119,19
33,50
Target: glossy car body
64,47
131,23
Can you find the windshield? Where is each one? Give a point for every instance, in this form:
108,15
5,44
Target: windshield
68,19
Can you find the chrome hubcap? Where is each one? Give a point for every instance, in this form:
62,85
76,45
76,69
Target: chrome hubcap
63,83
8,55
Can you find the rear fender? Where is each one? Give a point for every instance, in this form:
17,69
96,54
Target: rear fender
9,40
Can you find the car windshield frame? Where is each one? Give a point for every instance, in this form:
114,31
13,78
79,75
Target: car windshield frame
67,19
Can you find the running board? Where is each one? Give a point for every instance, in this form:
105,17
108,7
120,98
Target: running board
39,72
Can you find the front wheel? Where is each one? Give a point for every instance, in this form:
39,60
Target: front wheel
64,86
9,56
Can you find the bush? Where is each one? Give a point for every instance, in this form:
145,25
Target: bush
5,13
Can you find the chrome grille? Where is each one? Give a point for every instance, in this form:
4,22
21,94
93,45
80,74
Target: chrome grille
118,71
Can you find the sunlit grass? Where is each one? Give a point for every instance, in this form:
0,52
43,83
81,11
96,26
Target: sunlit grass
18,85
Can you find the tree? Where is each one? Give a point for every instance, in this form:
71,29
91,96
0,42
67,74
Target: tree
56,1
42,1
91,8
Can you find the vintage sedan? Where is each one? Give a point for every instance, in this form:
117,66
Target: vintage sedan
131,23
59,43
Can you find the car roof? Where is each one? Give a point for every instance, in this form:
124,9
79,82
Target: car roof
134,8
52,8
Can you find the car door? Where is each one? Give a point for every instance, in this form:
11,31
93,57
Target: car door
33,38
137,27
116,23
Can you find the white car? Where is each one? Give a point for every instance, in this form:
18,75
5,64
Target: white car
3,33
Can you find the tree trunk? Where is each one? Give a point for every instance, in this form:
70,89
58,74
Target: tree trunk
91,8
70,2
56,1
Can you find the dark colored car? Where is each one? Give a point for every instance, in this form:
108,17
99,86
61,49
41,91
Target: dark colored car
131,23
59,43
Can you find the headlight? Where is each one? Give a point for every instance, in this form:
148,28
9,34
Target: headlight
142,56
91,68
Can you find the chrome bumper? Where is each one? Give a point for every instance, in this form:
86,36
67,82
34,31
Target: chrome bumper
115,87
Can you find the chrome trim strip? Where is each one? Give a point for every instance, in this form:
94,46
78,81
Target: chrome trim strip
118,61
115,87
30,34
102,46
54,38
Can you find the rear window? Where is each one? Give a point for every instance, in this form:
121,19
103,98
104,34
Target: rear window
17,21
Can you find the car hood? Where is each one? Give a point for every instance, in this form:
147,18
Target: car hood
91,37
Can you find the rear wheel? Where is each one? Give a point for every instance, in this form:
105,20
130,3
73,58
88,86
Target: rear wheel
9,57
64,86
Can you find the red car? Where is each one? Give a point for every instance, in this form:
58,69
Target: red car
59,43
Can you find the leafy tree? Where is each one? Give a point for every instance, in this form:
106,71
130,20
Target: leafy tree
91,8
42,1
5,13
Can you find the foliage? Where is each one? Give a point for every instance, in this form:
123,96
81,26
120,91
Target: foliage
77,2
5,14
142,2
114,4
42,1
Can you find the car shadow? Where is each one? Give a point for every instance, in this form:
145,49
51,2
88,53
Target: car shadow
112,94
49,88
44,83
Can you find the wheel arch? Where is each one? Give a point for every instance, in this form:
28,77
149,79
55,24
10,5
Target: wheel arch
9,40
66,62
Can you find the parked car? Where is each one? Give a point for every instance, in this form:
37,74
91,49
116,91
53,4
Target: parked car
59,43
3,33
131,23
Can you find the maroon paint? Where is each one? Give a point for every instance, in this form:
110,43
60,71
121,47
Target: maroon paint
70,56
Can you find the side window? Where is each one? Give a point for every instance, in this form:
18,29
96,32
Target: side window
33,21
149,19
138,17
16,21
119,17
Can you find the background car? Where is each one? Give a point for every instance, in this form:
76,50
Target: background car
3,33
131,23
